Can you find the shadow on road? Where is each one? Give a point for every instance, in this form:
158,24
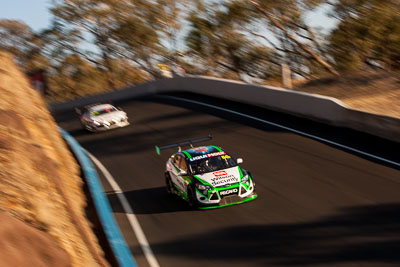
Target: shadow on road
150,201
356,235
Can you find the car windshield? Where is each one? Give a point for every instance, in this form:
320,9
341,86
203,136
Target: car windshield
211,164
103,111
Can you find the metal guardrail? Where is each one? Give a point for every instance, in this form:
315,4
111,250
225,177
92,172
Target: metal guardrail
110,227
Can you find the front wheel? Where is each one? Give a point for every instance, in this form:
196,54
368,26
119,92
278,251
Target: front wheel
87,127
192,197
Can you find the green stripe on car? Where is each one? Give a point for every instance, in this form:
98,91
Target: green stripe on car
241,173
202,181
217,148
187,154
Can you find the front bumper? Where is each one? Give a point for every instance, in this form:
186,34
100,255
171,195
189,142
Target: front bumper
229,201
111,125
215,199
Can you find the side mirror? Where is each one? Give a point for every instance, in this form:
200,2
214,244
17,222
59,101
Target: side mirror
239,160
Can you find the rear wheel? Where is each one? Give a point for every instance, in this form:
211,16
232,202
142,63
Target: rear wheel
168,183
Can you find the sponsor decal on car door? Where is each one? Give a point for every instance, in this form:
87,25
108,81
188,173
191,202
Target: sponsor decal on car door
178,179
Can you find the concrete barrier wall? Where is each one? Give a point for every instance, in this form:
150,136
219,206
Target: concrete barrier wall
379,125
320,108
269,97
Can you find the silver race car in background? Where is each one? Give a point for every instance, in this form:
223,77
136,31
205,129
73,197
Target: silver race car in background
102,117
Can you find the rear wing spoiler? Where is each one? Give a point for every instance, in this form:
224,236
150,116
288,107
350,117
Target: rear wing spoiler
188,142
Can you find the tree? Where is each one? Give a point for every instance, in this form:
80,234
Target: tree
76,77
278,24
18,38
15,36
93,20
285,20
129,29
216,40
368,34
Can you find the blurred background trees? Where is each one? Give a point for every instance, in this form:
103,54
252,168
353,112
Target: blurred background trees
97,45
368,34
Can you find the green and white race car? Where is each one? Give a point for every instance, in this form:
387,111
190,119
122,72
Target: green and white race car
207,176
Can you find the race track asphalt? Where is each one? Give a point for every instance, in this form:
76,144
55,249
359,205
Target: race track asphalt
318,205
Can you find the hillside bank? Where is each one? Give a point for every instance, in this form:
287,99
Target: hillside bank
375,92
42,216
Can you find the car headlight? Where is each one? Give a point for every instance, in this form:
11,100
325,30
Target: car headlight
246,180
203,187
96,123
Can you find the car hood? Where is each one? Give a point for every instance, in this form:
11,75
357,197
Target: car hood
221,177
116,115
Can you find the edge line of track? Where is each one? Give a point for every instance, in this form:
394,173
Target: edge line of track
133,221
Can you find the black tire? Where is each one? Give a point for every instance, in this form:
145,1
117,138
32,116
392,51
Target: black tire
192,197
168,184
83,125
87,127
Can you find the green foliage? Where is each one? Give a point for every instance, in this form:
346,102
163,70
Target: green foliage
216,39
15,36
19,39
126,29
98,45
369,33
115,37
76,77
224,33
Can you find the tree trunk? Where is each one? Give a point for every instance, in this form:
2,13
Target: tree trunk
109,71
306,49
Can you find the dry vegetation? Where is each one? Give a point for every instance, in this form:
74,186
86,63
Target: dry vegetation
369,91
42,217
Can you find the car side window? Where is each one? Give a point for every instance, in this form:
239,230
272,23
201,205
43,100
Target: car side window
179,161
182,164
176,160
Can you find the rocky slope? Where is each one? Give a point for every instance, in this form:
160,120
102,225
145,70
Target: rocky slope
42,218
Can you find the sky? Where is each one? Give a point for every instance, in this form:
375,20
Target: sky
319,19
35,13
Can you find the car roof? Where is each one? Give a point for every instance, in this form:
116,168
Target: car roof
201,150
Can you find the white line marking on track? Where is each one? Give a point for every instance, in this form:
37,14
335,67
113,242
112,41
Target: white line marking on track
288,129
144,244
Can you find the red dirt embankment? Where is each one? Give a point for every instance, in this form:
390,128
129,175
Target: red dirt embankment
42,218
